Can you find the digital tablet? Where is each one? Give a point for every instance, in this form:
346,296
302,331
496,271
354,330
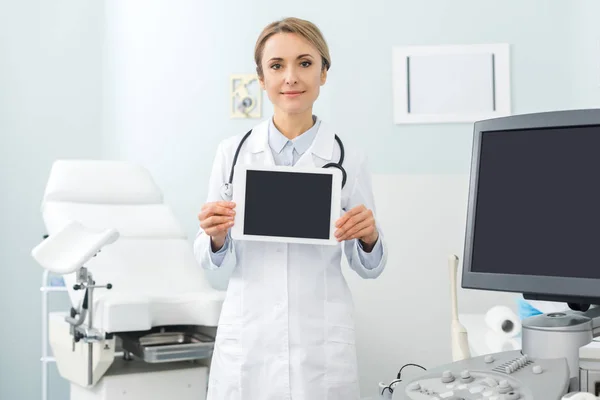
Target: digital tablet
286,204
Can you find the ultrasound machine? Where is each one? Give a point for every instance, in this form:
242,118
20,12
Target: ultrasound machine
533,227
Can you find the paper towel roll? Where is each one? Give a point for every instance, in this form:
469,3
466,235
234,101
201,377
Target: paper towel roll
503,321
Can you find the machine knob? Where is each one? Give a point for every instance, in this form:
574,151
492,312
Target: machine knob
512,396
447,377
504,387
414,386
466,377
537,369
489,359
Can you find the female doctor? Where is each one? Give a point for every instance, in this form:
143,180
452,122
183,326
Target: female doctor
286,328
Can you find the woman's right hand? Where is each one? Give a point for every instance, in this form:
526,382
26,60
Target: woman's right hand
215,220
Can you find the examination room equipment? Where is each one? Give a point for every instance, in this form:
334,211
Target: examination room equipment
532,228
143,316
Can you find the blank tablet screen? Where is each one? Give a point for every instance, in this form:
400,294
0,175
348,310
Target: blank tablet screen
288,204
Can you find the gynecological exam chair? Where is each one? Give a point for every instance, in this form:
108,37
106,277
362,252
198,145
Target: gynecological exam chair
143,316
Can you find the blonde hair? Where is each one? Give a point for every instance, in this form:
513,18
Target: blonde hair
303,28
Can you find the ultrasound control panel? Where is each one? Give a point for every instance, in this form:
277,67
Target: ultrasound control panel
501,376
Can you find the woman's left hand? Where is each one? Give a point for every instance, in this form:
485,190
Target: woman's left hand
357,223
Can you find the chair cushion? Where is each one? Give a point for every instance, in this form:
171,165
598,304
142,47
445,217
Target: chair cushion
155,282
101,182
144,220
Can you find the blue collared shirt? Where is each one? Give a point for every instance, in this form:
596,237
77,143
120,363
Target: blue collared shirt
287,152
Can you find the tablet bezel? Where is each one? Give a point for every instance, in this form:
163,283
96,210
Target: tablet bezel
239,195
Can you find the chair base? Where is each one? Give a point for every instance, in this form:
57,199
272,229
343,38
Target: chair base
137,380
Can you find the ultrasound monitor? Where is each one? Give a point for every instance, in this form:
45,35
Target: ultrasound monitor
533,220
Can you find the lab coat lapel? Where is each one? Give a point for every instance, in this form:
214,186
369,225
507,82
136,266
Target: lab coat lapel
258,145
321,150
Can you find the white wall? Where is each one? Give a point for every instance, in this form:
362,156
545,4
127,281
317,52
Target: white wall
50,107
585,54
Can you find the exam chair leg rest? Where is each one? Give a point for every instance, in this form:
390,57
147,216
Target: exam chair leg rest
72,361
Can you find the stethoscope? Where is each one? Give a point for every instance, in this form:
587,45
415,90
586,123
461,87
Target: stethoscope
227,188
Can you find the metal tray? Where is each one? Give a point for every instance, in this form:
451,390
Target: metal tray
168,346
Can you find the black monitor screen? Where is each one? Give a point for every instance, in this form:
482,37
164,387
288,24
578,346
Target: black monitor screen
288,204
538,203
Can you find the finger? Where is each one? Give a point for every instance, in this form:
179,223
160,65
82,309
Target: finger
215,210
349,214
355,219
215,220
219,205
365,232
352,221
368,232
226,204
218,229
359,230
221,210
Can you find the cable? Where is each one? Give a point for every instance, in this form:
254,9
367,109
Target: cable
409,365
399,377
389,387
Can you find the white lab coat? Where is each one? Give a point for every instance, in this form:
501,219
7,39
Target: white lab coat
286,329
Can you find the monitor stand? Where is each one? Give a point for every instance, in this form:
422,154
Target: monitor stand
561,334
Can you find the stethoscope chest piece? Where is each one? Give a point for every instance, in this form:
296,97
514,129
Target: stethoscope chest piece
227,191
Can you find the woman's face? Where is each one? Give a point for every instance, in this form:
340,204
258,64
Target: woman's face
292,73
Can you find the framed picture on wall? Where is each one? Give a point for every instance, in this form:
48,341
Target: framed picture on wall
246,96
453,83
